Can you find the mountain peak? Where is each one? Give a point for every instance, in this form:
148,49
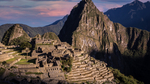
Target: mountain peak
87,0
83,14
12,35
138,4
136,1
16,25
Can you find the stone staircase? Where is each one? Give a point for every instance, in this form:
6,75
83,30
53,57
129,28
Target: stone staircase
88,69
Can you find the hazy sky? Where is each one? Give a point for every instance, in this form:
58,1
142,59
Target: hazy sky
43,12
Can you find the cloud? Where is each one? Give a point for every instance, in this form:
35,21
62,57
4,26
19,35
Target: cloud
103,6
10,13
54,10
6,0
2,6
117,1
122,1
50,0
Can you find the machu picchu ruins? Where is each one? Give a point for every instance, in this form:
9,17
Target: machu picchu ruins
89,49
45,63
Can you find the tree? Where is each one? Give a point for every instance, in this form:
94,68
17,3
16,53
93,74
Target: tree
25,45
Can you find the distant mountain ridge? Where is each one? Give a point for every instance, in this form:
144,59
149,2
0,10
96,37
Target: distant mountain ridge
134,14
32,31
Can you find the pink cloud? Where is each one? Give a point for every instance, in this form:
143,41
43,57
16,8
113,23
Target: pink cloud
56,9
54,13
9,13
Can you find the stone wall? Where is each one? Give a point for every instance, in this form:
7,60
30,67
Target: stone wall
49,65
35,75
4,57
34,54
26,66
53,69
28,70
46,46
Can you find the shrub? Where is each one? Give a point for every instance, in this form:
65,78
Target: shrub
25,45
4,62
67,62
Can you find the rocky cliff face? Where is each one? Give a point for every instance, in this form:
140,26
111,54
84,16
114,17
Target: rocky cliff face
14,33
92,31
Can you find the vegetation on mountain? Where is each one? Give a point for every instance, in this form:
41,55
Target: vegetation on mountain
18,41
24,45
50,35
7,36
122,79
15,35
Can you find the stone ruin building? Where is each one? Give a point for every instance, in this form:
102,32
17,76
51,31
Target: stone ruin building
41,40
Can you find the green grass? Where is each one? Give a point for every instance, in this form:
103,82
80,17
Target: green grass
24,61
9,51
11,60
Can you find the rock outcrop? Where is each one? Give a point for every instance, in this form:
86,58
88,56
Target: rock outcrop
90,30
50,35
15,33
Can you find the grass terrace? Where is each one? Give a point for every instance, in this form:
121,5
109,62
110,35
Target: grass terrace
11,60
24,61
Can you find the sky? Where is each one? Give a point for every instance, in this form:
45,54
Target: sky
38,13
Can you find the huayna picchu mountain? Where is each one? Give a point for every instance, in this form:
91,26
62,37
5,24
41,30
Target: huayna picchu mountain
15,34
126,49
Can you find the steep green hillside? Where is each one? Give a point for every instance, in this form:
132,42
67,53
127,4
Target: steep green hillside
15,35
